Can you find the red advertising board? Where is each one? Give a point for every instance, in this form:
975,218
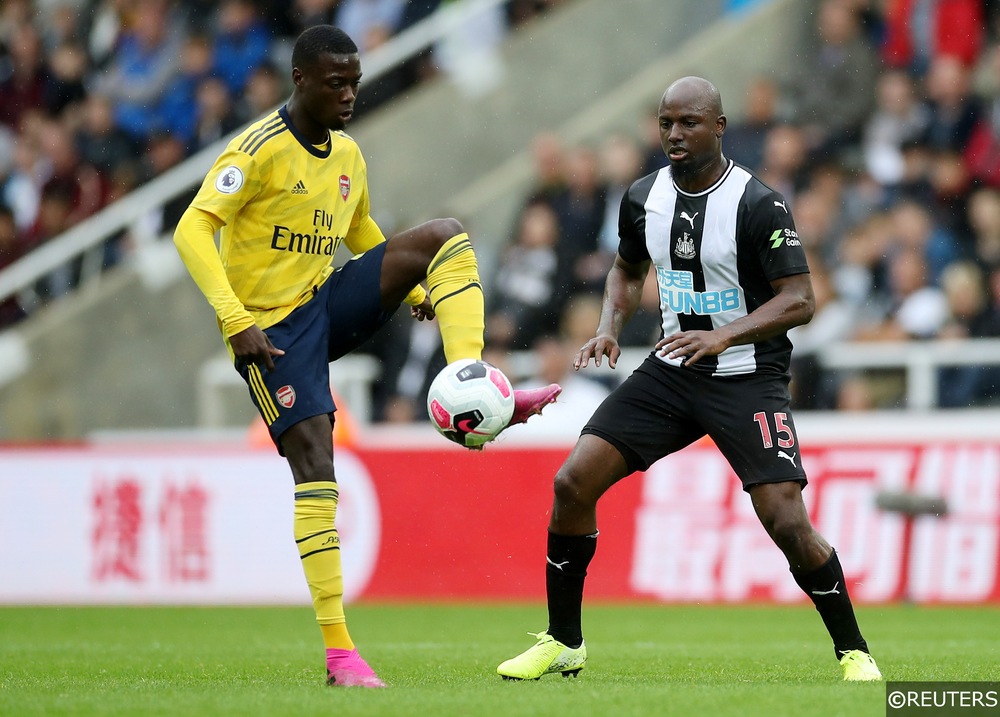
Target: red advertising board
426,520
466,525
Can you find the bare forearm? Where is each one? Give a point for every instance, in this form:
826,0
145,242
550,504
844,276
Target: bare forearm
773,318
622,294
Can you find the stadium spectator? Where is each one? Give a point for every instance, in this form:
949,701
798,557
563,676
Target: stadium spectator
64,165
23,82
145,61
107,24
783,164
371,21
27,172
621,164
649,137
914,307
857,268
469,53
164,151
98,138
216,115
525,299
984,221
917,32
833,88
915,227
744,141
55,207
982,153
549,156
834,320
580,209
65,79
422,66
899,118
954,109
963,287
265,90
241,42
178,113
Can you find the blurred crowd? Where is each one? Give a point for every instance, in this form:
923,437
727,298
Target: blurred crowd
885,140
883,133
98,97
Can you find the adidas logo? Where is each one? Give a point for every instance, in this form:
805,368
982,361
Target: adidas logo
299,188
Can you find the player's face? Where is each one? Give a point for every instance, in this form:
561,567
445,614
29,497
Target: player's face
329,88
690,132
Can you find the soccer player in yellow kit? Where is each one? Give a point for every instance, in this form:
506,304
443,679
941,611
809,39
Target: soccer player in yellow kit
284,195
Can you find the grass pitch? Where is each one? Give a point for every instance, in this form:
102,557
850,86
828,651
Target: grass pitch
440,660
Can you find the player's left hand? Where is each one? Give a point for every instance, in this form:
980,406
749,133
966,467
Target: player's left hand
424,310
692,346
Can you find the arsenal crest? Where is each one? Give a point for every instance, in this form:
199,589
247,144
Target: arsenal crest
285,396
345,186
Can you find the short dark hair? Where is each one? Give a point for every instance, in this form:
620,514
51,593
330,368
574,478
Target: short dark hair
319,40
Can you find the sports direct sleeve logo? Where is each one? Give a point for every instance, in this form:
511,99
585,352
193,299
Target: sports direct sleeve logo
789,237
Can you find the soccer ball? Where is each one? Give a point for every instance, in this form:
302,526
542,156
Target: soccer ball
470,402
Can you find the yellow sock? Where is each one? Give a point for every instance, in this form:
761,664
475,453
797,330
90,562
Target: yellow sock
457,297
336,635
319,547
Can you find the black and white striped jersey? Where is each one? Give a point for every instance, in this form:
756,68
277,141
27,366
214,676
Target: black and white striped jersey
715,254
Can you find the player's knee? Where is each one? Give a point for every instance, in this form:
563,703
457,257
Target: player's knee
444,229
571,488
788,531
310,465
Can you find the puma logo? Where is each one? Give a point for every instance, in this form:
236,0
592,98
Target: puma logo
831,591
557,566
690,219
781,204
789,458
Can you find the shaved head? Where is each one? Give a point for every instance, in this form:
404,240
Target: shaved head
691,129
695,92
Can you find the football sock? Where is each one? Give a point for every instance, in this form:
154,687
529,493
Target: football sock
319,547
457,297
566,562
336,635
826,587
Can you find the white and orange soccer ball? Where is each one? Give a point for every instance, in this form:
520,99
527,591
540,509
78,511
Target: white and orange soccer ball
470,402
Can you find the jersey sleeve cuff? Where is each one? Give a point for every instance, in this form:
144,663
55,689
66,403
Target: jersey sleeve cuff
417,296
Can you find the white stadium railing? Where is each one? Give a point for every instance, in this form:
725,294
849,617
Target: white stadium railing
919,360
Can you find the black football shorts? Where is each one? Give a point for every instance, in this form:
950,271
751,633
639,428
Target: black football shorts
660,409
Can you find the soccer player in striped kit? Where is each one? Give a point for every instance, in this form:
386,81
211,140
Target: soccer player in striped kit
732,279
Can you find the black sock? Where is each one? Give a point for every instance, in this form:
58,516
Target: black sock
565,569
826,588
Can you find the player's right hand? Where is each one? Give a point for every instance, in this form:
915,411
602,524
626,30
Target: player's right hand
597,348
251,346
